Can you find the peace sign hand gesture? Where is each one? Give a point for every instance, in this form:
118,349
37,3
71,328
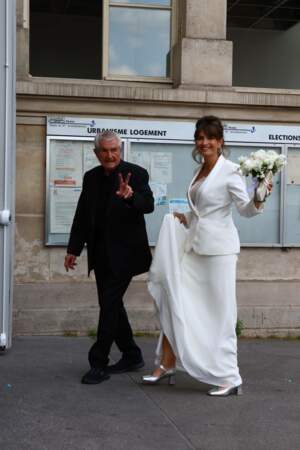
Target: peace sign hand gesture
125,191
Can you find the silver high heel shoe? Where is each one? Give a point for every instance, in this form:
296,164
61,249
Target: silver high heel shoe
165,373
221,391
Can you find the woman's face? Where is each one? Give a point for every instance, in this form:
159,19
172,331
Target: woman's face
208,147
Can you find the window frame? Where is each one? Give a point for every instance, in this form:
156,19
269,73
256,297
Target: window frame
286,243
105,41
282,205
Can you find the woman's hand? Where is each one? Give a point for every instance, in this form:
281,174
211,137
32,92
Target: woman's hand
181,217
258,204
269,188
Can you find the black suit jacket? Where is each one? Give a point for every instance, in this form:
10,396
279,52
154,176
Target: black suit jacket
125,236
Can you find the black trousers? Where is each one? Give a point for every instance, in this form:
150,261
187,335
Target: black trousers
113,323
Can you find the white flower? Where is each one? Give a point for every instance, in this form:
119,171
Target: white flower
272,154
261,162
260,155
249,164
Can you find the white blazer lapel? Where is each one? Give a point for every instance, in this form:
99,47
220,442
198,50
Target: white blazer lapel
210,177
191,204
215,170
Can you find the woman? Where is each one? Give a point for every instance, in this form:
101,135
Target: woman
196,293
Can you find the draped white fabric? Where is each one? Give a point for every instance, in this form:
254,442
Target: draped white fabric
195,297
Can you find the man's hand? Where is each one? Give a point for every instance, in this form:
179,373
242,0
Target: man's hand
125,191
70,262
181,217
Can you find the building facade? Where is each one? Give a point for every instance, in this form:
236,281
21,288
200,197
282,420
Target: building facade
155,66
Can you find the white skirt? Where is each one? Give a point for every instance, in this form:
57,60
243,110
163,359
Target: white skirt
196,301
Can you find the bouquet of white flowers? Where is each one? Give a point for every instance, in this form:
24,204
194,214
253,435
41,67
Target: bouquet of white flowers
262,165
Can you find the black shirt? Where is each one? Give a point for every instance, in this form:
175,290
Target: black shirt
107,184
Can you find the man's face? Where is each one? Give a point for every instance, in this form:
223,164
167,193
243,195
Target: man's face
109,155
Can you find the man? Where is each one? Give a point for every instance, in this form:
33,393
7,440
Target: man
110,219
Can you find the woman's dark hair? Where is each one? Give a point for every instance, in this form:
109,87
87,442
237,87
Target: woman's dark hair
212,127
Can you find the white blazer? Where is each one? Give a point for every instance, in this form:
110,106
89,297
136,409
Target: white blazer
211,228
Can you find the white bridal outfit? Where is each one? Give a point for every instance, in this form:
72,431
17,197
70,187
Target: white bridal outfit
193,277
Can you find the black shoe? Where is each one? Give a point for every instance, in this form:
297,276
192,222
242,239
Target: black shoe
94,376
125,365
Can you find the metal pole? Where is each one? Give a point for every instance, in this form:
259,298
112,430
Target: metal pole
8,169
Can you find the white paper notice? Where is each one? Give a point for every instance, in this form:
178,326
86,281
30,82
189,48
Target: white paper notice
178,205
142,159
161,167
89,158
63,202
159,193
65,163
293,169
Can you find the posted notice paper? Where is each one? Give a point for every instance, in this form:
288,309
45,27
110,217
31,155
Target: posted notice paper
161,167
63,203
66,163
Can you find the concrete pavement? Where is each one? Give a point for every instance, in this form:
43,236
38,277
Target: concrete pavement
44,406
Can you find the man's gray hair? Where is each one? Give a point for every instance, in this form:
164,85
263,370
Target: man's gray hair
106,136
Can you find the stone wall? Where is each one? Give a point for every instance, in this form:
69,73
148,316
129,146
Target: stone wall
47,300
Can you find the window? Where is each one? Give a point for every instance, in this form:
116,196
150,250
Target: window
139,38
173,181
279,225
265,37
109,39
292,203
264,229
66,38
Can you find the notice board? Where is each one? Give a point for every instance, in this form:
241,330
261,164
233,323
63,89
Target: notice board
164,148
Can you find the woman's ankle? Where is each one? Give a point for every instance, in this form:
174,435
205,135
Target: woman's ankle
168,364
